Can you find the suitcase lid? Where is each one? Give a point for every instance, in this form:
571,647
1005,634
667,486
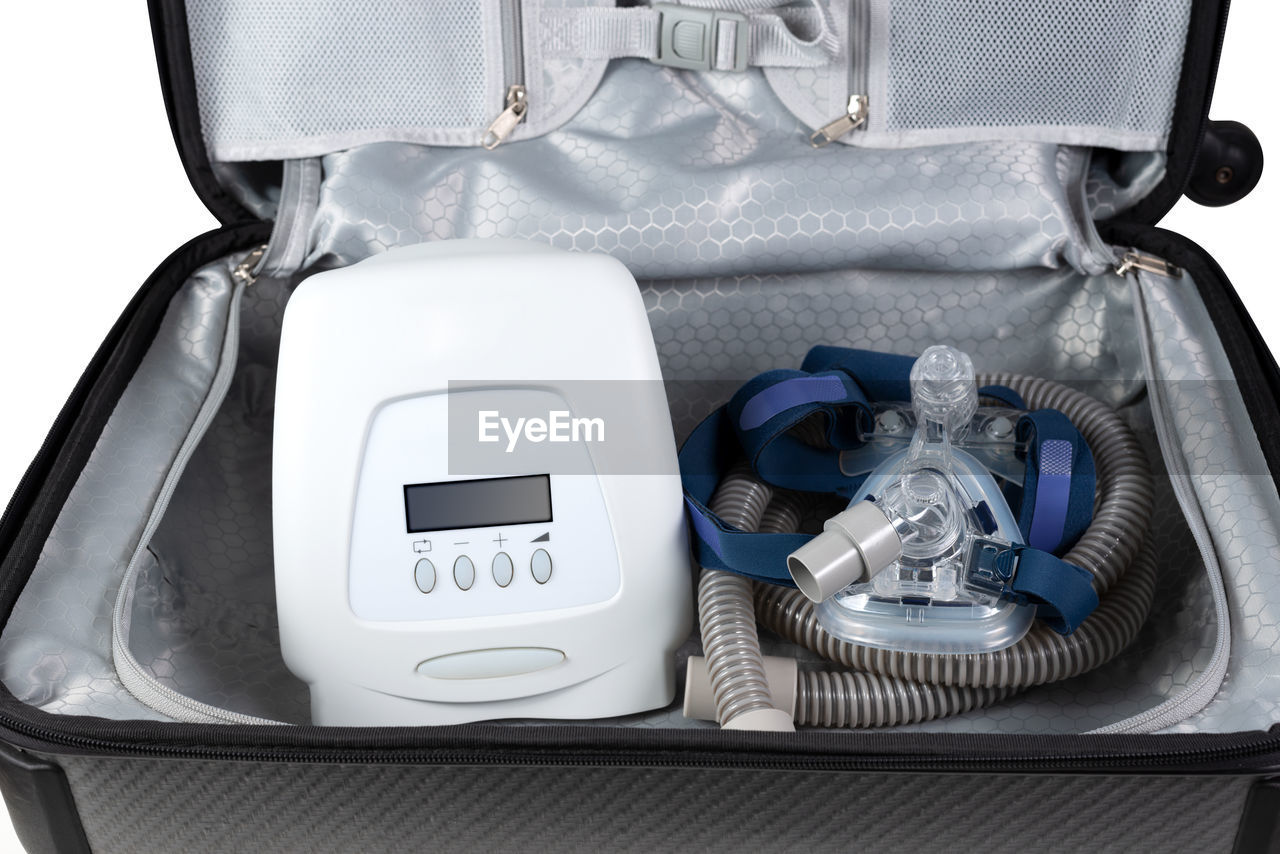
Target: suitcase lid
192,40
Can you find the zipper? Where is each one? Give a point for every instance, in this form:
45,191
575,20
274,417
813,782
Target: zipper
1135,260
516,105
82,391
505,123
246,272
1199,692
855,117
859,105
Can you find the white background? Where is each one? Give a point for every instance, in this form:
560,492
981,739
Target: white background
94,197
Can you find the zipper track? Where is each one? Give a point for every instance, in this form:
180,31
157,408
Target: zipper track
142,685
1179,760
513,42
516,104
1200,691
859,46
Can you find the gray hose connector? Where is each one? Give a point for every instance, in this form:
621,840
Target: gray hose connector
854,544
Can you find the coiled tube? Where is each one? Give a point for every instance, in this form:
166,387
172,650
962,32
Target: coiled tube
889,688
828,698
726,618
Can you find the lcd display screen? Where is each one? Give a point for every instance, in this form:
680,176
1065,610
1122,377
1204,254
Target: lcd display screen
477,503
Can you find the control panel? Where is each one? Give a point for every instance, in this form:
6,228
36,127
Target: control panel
430,545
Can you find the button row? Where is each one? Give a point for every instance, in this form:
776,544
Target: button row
464,571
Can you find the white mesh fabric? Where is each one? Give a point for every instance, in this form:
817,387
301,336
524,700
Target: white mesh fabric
1096,72
287,78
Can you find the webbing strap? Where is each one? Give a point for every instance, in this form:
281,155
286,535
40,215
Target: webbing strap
721,35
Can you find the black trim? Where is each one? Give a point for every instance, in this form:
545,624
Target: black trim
178,83
1191,111
1259,831
40,804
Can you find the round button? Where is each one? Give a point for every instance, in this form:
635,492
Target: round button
464,572
890,422
503,569
1000,427
541,566
424,575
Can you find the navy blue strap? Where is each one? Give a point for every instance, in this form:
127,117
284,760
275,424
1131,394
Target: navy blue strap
766,408
1059,484
881,376
1004,394
705,458
1062,592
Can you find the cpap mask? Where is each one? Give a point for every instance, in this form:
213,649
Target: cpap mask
975,540
957,512
928,529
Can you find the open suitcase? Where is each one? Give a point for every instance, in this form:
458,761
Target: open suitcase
985,174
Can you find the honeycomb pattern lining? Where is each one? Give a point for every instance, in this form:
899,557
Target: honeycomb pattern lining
207,599
681,175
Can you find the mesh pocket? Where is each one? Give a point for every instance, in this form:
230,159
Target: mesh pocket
1097,72
298,77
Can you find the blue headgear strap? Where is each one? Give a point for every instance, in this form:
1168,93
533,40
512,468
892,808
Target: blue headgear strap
839,384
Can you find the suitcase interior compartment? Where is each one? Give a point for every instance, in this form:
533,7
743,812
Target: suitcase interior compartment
184,469
749,247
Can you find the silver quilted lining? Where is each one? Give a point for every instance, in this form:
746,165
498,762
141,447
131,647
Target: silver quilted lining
203,612
55,651
1237,496
682,175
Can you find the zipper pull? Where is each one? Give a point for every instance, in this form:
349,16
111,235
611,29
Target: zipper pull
505,123
855,117
1135,260
244,272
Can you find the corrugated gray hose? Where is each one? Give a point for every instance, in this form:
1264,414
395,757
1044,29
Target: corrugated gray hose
889,688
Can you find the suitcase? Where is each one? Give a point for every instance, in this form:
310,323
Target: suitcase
850,172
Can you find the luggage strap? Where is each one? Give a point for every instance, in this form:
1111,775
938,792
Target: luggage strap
701,35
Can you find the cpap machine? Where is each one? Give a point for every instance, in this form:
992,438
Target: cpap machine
412,589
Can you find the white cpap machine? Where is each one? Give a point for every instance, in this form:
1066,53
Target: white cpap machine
412,590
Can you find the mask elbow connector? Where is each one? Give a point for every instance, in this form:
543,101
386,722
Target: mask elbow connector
853,545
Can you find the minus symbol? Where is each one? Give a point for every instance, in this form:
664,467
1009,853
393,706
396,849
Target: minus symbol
463,543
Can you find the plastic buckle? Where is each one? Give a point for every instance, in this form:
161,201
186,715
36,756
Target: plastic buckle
991,567
688,37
